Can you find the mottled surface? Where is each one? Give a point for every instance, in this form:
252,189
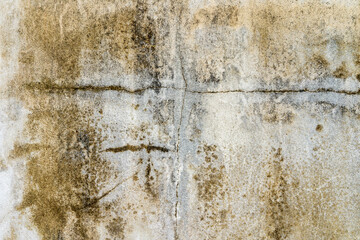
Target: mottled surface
165,119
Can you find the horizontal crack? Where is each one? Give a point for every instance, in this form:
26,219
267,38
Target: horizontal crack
320,90
134,148
90,88
58,88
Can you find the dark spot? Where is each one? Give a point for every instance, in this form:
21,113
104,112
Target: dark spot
320,62
319,128
358,76
341,72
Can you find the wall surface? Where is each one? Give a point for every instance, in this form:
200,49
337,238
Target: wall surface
169,119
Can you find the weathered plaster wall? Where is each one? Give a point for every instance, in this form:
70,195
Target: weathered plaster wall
165,119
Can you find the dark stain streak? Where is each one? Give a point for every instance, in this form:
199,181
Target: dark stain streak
94,201
88,88
305,90
149,180
134,148
275,199
96,89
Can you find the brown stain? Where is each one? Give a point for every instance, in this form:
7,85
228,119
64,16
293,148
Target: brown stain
357,59
299,207
319,128
140,147
151,180
277,33
128,35
341,72
263,25
277,210
358,77
12,235
209,184
319,63
65,173
274,113
211,191
58,36
116,228
219,15
318,208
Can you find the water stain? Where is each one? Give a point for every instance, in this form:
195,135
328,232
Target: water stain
65,172
66,175
287,41
341,72
151,180
275,113
54,30
277,210
128,35
219,15
59,36
116,228
211,189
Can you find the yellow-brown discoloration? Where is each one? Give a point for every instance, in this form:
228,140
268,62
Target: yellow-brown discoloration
128,35
151,180
221,15
54,30
319,127
275,113
292,209
285,39
211,188
116,228
60,35
65,173
277,211
341,72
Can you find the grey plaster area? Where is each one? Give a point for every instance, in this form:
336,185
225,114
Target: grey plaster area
165,119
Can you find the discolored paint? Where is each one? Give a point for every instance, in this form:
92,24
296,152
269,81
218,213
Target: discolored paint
277,210
271,40
211,189
62,34
247,130
65,173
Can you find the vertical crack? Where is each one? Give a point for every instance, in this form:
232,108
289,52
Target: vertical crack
178,175
178,152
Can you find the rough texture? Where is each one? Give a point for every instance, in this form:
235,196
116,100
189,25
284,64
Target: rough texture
165,119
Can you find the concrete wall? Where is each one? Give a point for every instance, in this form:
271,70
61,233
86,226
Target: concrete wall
165,119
